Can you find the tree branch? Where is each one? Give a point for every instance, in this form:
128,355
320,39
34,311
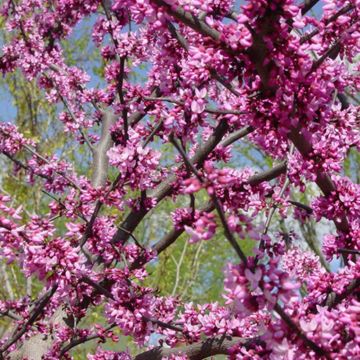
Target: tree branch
190,20
209,347
322,179
184,44
100,161
342,11
308,5
311,344
335,299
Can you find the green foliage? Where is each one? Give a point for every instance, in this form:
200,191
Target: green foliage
351,165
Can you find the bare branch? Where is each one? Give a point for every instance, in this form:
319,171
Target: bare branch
349,251
178,268
236,135
307,208
228,234
100,160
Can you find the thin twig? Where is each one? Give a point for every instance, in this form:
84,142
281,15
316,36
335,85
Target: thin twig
307,208
187,161
153,133
274,206
10,315
178,268
121,96
272,210
228,233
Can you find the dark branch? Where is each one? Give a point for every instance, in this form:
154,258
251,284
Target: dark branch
210,347
312,345
308,5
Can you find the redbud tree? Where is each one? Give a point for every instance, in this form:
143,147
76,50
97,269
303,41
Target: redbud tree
277,72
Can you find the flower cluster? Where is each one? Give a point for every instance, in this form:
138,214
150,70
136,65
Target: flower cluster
136,164
199,225
11,140
109,355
